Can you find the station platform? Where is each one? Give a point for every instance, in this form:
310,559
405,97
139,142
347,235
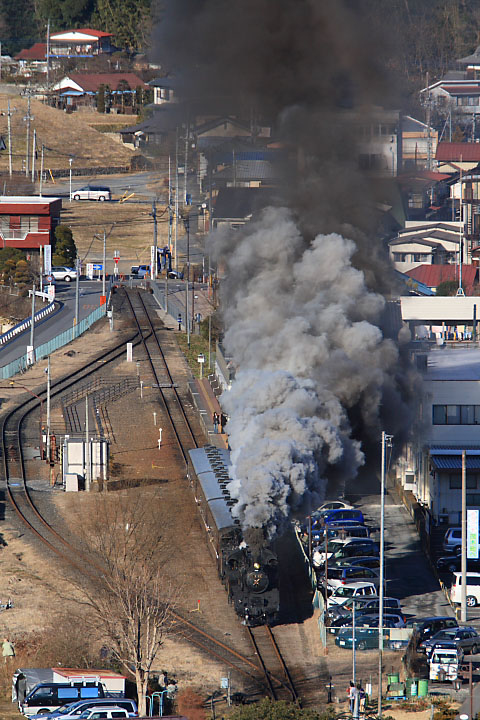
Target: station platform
207,404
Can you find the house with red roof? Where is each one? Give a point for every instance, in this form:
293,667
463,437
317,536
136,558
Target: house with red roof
32,60
451,157
433,275
80,90
82,43
68,44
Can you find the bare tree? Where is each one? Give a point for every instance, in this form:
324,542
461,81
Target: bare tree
131,597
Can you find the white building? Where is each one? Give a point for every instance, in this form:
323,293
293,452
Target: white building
425,242
449,423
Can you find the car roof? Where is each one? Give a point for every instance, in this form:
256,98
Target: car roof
474,574
358,584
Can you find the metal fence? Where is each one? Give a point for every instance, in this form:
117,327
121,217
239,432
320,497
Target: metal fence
42,351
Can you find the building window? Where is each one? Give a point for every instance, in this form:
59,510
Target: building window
455,481
473,498
456,414
399,257
420,257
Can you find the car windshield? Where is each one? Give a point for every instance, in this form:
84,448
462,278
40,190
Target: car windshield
445,658
344,591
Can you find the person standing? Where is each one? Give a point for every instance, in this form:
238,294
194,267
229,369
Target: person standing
8,651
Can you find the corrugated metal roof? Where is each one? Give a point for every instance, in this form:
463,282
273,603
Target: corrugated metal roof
467,152
433,275
454,462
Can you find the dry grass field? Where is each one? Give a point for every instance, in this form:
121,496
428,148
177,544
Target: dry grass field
64,135
128,225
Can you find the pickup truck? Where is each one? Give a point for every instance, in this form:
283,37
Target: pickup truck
446,664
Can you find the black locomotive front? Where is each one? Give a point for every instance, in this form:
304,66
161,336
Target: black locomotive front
252,585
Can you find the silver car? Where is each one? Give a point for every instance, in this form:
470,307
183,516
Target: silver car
64,273
93,192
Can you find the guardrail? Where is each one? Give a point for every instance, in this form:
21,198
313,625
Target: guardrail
21,326
44,350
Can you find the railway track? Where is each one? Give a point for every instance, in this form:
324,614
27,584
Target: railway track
274,668
258,674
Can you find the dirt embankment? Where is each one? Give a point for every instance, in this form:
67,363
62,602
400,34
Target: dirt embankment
63,136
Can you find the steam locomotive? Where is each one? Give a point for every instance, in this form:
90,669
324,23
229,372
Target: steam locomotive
250,577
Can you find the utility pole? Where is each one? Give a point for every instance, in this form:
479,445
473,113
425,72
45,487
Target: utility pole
176,197
187,131
77,295
187,281
170,217
155,259
27,118
34,150
9,127
48,409
386,442
32,324
104,263
87,449
41,171
463,594
48,53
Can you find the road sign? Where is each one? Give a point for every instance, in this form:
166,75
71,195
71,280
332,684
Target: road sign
116,254
49,278
97,267
116,260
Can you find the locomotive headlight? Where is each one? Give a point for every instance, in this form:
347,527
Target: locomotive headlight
256,566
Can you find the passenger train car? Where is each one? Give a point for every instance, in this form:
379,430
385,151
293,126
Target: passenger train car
251,579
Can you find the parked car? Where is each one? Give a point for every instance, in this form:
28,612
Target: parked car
64,273
339,575
355,589
344,514
465,638
453,563
140,271
367,604
339,549
365,638
93,192
390,620
74,710
473,588
452,542
369,562
175,275
104,713
334,505
427,627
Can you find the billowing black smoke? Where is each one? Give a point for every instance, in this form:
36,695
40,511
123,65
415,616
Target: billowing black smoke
302,295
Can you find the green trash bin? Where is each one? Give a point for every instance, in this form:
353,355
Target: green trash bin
411,687
393,678
422,688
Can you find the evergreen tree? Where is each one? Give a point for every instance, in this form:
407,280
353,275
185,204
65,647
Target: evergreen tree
64,250
18,26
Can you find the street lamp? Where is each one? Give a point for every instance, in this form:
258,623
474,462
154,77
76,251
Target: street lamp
186,222
70,160
386,442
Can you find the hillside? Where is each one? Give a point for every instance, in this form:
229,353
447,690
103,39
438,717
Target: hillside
63,135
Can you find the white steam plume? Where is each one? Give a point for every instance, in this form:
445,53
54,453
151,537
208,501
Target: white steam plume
300,326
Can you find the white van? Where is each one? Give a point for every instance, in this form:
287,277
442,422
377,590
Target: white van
473,589
104,713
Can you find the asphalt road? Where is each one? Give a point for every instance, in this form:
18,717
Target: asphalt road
408,573
90,292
